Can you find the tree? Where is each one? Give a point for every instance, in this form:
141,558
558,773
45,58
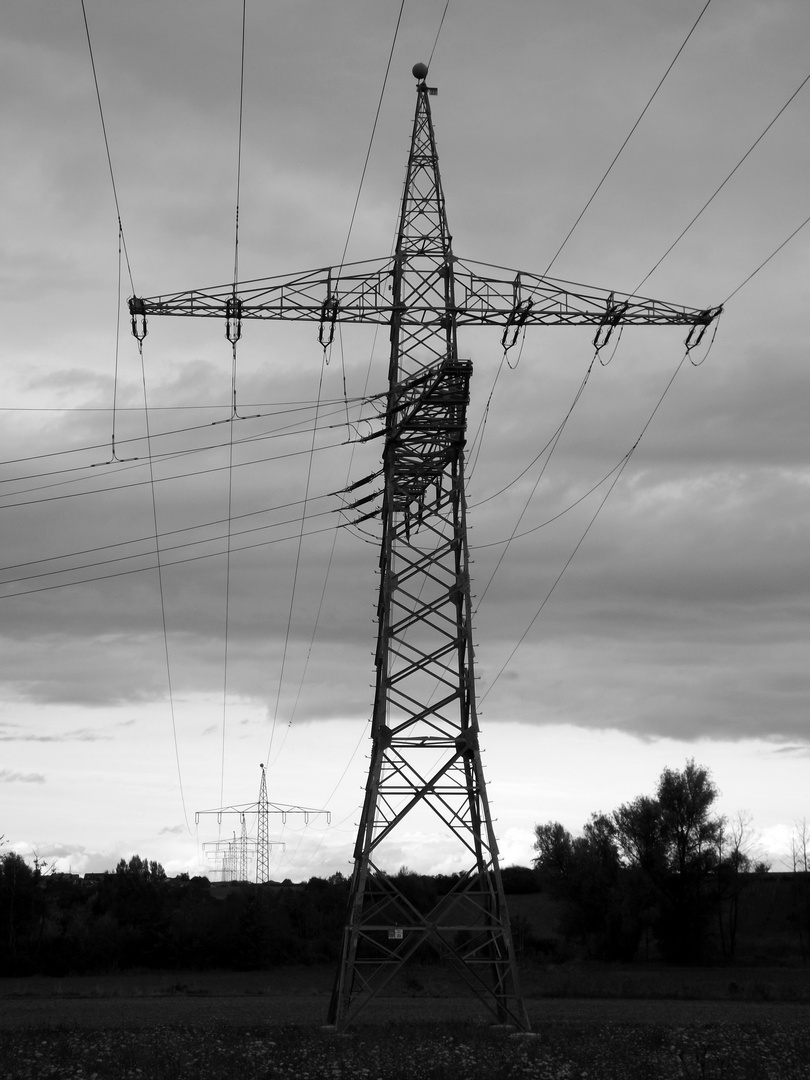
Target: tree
22,911
141,870
647,866
136,895
554,846
689,830
640,835
734,863
800,865
586,871
674,838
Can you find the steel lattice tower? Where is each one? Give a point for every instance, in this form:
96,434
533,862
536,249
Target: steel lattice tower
263,845
262,809
424,728
425,758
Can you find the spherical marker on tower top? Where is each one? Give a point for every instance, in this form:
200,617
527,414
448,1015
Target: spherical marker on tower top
420,72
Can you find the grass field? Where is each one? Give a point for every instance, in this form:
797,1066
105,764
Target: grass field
741,1025
411,1052
574,980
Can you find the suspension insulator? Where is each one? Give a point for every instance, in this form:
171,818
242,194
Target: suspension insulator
137,317
233,319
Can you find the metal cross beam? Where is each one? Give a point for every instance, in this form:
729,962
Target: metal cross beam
425,759
361,293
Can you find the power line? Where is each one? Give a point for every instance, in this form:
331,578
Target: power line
337,405
436,40
373,132
629,136
555,517
160,479
161,591
766,261
618,471
234,341
294,585
171,532
175,562
717,190
107,147
552,447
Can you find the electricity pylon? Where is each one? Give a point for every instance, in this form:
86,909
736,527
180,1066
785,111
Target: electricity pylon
234,857
262,809
425,753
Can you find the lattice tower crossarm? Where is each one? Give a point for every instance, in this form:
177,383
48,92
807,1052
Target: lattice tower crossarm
425,759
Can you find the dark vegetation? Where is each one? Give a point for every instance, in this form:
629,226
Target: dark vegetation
661,879
665,877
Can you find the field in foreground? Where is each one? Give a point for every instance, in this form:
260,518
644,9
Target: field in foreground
563,1051
591,1024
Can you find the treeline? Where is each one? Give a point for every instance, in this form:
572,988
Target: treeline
138,917
661,877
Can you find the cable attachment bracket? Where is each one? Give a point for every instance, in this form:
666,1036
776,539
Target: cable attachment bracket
137,317
233,318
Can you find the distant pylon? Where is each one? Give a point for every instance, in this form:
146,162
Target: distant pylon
243,851
263,849
262,809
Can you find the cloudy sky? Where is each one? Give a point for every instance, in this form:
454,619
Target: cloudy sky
678,626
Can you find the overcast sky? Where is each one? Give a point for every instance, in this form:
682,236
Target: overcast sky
680,626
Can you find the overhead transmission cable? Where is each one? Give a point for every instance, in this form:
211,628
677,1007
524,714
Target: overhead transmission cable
717,190
174,562
122,247
373,133
681,235
479,435
327,352
234,338
552,447
146,416
285,410
293,589
157,479
766,261
172,532
107,147
436,39
629,136
555,517
618,473
334,540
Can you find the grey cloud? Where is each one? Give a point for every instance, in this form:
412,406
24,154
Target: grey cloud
9,776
